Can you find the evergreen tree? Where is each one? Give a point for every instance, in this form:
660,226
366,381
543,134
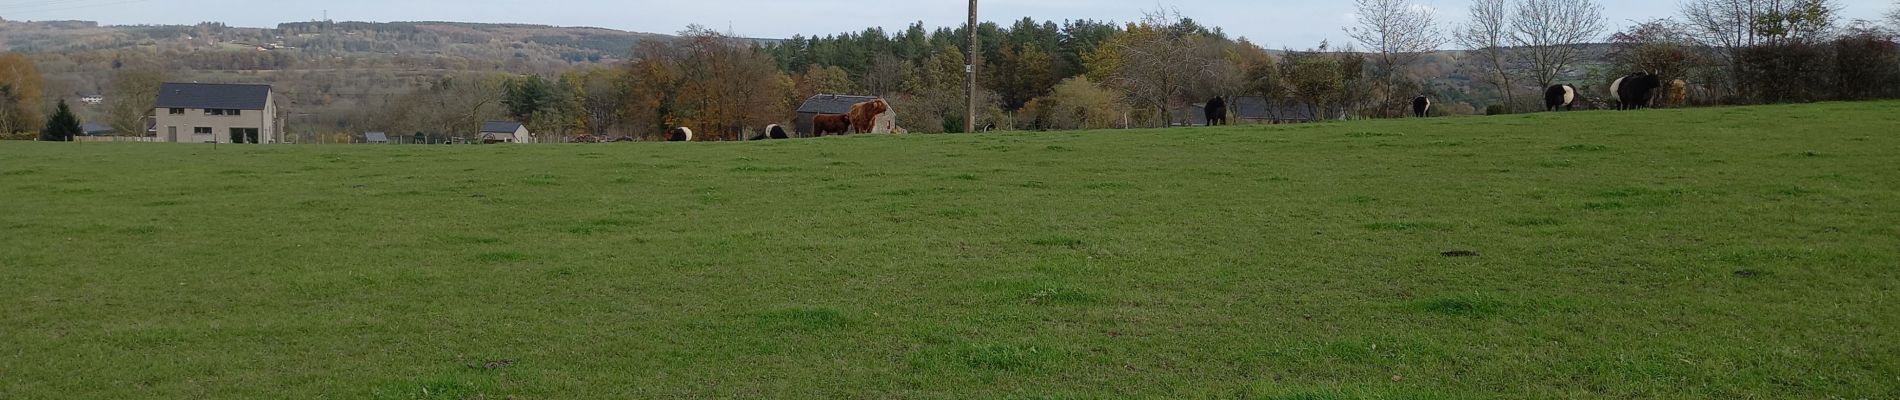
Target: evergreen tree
62,127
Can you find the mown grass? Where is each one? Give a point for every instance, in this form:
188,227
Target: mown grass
1717,253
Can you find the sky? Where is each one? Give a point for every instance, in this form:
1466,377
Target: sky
1270,23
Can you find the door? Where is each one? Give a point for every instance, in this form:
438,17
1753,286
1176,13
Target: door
171,134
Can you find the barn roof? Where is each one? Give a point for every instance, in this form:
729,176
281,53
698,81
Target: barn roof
95,128
376,137
1258,108
213,96
508,127
832,103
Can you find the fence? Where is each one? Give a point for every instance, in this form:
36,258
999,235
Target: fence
114,139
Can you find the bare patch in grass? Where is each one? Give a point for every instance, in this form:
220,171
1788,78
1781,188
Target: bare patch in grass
500,257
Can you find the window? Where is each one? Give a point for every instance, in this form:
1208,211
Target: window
178,111
201,130
234,113
223,112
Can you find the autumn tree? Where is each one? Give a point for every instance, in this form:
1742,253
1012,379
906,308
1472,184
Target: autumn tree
1549,35
1396,33
817,80
1077,103
594,98
652,81
19,94
1153,62
1021,73
717,85
1260,73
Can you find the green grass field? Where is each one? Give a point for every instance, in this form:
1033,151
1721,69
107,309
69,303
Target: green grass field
1734,253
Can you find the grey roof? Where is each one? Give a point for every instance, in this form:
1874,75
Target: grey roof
213,95
91,128
500,127
375,137
832,103
1255,107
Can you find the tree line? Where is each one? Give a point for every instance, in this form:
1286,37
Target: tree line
1087,74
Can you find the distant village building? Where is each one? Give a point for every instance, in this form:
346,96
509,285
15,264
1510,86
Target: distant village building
375,138
504,132
93,100
222,113
824,104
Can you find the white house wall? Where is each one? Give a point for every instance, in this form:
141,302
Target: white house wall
264,121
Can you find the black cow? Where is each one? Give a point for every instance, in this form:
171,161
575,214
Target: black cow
1421,106
1217,111
1560,98
1636,91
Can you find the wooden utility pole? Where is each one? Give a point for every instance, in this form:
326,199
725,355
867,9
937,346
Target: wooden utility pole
969,78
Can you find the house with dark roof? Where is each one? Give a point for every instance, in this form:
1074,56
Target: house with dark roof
504,132
216,112
375,138
824,104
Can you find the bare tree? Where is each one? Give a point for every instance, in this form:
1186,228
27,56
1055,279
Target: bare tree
1893,16
134,90
1155,61
1731,26
1549,34
1486,35
1397,32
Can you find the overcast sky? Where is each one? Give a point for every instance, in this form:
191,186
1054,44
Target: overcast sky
1271,23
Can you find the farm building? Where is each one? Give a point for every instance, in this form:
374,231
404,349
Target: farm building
1256,109
828,104
96,129
375,138
504,132
222,113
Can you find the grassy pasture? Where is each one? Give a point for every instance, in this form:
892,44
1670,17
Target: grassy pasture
1735,253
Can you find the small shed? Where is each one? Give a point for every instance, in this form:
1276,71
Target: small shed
504,132
375,138
825,104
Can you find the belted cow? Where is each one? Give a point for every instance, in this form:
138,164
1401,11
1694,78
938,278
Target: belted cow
1560,98
680,134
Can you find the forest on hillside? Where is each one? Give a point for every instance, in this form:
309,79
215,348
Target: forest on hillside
442,79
